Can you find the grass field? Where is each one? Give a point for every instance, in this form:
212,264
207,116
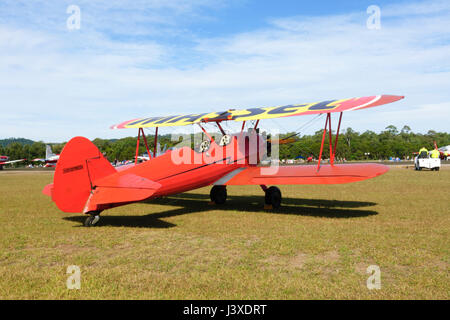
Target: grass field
317,246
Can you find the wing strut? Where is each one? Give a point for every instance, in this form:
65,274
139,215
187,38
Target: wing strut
155,150
243,125
332,150
207,134
138,143
337,137
323,140
220,127
256,125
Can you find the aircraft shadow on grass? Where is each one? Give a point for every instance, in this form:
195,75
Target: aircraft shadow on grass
186,203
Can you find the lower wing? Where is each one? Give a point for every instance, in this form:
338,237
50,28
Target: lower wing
303,174
13,161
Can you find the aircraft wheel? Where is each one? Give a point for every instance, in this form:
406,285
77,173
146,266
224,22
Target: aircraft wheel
218,194
273,197
92,220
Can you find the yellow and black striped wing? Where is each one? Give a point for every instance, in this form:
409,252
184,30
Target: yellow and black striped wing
261,113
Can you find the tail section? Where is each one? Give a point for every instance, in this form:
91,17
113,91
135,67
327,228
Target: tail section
48,152
80,163
85,181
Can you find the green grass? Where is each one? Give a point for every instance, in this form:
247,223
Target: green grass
317,246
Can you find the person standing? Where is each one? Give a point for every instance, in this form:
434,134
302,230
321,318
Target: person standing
423,153
435,154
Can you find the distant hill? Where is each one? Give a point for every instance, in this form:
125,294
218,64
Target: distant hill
22,141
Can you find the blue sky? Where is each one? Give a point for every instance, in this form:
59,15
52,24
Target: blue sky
149,58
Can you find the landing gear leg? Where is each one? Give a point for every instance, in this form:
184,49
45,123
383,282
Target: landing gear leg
94,217
272,198
218,194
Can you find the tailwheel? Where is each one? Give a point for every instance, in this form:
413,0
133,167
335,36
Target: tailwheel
218,194
91,221
272,198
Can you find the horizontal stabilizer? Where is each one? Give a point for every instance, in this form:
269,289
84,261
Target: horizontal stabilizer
48,189
119,189
129,180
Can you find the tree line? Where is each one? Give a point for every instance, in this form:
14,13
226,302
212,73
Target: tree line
352,145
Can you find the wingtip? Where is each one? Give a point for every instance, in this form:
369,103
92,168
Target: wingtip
394,97
122,125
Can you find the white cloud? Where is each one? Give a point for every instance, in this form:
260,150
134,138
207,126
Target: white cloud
416,8
57,84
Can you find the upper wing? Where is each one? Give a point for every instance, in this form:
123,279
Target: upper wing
303,174
261,113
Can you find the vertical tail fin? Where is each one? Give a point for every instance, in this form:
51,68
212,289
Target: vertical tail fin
48,152
80,163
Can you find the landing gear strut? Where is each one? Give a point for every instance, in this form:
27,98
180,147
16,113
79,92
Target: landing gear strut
218,194
273,197
94,217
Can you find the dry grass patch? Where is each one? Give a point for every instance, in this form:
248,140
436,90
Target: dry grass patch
318,245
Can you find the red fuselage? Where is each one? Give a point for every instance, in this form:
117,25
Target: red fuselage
197,169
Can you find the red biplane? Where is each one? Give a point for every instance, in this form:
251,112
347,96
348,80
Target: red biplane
86,182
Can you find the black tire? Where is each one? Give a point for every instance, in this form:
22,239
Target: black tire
273,197
437,169
218,194
91,221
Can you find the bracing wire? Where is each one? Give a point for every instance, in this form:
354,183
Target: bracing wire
302,127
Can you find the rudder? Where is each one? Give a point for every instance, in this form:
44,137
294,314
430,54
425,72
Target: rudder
79,164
